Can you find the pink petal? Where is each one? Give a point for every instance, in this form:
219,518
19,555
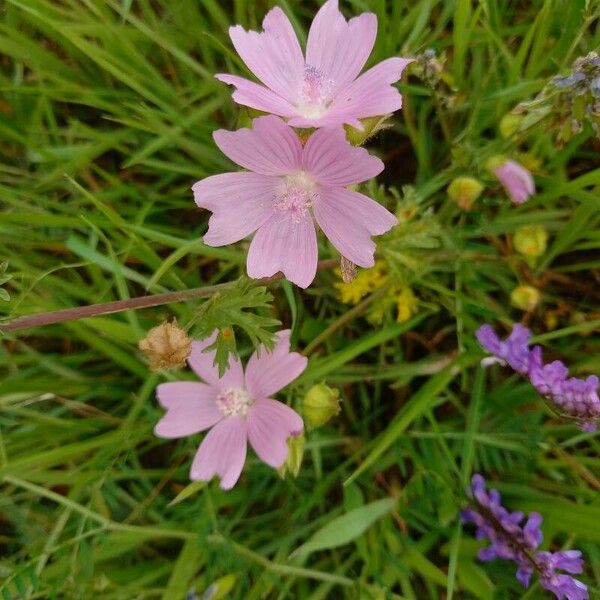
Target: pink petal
270,424
274,55
191,408
372,93
338,48
517,181
349,219
269,372
331,159
240,203
222,452
203,365
256,96
270,148
285,244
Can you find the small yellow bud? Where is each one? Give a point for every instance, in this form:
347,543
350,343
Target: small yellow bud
320,404
530,240
464,191
529,161
494,162
166,345
509,125
295,444
525,297
407,304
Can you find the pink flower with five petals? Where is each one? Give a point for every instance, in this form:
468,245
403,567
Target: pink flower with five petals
287,185
236,407
323,89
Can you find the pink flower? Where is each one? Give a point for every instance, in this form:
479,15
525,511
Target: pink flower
517,181
287,185
236,408
324,88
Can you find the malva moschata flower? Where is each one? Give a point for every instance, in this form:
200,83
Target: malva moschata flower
237,408
288,186
323,87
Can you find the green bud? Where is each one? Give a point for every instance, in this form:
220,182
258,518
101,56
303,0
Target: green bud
295,455
525,297
371,126
509,125
494,162
464,191
320,404
530,240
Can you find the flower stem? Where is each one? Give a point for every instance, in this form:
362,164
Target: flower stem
107,308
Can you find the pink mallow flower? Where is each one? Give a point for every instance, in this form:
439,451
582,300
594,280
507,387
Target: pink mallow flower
236,407
516,179
324,88
289,184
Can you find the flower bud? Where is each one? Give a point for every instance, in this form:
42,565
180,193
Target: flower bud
530,240
525,297
320,404
464,191
509,125
295,444
166,346
371,126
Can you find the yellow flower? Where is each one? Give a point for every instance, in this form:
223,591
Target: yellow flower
366,281
407,304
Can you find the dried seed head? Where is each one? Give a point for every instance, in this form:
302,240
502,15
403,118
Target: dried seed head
166,346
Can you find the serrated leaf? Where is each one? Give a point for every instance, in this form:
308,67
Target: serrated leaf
4,295
346,528
230,308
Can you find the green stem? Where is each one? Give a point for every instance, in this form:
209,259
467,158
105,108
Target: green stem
107,308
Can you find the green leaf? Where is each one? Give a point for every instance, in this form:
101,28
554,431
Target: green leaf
228,309
187,491
346,528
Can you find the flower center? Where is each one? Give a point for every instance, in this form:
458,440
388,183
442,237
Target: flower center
316,95
296,196
234,402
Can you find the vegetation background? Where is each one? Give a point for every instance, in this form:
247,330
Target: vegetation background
106,113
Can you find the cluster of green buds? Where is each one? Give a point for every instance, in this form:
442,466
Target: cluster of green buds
567,102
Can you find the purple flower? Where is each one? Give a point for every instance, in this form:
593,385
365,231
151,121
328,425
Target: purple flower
573,397
322,87
517,181
511,539
561,585
514,350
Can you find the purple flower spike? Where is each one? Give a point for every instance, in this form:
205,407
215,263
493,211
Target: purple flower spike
510,540
514,350
573,398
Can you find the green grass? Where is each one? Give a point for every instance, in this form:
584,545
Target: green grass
106,114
